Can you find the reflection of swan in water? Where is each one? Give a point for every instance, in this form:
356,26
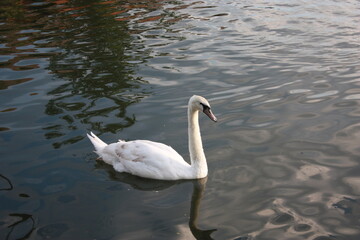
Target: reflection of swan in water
157,185
198,191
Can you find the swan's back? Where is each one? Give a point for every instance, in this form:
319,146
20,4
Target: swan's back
146,159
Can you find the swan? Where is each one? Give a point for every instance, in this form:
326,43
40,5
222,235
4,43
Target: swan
155,160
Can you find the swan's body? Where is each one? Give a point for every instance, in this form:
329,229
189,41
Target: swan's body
156,160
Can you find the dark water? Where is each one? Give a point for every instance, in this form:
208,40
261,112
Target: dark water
283,78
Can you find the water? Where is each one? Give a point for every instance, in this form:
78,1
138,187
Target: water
282,77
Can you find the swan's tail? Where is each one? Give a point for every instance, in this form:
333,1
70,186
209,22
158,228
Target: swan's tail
97,142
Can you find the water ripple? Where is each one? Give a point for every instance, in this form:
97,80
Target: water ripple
283,78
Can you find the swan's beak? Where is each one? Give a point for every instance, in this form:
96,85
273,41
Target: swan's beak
209,113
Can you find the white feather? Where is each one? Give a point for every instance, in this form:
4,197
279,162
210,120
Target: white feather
156,160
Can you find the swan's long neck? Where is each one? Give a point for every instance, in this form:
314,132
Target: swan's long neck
197,156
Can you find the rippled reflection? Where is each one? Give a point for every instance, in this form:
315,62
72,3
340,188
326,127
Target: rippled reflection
198,192
97,59
6,182
17,228
283,77
91,48
15,224
157,185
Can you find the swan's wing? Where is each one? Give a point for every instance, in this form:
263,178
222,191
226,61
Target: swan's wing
147,159
165,149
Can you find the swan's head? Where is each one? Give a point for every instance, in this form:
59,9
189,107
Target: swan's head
199,103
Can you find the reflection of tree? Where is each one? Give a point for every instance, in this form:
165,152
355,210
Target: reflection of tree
18,225
92,48
11,9
97,60
25,225
9,187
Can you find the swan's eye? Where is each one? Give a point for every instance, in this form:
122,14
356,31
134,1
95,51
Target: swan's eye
204,106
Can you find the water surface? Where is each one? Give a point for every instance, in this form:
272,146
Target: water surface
282,77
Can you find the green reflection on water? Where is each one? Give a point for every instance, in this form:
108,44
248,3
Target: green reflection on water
98,61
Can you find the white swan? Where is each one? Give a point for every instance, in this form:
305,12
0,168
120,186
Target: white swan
156,160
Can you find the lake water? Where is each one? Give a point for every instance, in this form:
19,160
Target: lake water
283,78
